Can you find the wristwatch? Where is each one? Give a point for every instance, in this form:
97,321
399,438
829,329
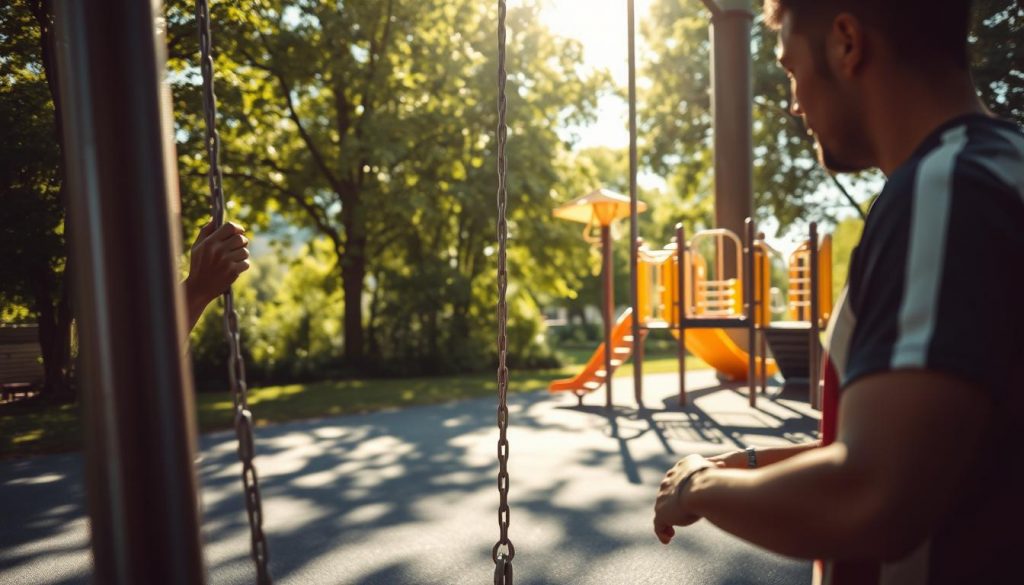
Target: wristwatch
751,457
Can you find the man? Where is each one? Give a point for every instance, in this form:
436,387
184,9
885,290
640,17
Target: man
918,477
219,256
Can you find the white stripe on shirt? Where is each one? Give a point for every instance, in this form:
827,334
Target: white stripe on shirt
926,253
838,334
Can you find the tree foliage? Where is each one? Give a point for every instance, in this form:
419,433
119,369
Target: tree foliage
372,124
32,273
789,186
367,128
997,45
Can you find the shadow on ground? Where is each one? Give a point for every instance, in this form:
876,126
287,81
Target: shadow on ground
410,496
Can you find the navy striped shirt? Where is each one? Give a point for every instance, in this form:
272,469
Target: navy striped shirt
937,283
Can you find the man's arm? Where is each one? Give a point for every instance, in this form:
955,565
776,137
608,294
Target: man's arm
905,442
765,455
218,257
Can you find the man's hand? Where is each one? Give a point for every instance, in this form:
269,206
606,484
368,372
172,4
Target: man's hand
218,257
670,507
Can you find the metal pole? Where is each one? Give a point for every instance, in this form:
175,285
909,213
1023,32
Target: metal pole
609,308
748,293
732,98
123,217
681,304
763,300
634,228
815,338
732,113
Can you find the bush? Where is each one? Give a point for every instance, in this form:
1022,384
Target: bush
291,314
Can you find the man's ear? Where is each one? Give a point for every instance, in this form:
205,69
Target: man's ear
845,45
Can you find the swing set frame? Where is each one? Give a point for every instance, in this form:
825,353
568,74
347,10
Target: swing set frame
124,228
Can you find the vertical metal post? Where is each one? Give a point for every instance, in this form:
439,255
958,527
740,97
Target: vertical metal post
681,304
123,217
815,329
609,308
751,310
732,114
634,228
732,111
763,307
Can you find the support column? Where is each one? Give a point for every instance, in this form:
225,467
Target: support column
732,112
634,226
123,219
732,98
608,282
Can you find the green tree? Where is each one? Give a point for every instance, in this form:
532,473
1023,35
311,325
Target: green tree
32,274
789,186
998,56
373,124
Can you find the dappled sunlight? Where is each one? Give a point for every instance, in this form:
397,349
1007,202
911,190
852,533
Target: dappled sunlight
329,432
28,436
368,514
28,427
409,495
44,536
455,422
274,393
37,480
316,480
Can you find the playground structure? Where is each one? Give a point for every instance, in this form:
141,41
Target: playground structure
700,306
600,209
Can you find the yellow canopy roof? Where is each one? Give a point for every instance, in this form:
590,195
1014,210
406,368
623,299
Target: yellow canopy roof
600,206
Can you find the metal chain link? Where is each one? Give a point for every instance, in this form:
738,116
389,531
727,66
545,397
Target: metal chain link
502,560
236,365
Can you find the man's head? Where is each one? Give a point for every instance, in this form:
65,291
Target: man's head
829,48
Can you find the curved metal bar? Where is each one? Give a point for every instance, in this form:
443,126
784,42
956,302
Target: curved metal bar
718,234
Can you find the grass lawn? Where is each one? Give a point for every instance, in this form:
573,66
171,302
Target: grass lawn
29,427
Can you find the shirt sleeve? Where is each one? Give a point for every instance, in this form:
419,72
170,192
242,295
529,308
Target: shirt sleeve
941,284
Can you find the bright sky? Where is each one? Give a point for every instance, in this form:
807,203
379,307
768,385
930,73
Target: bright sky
601,26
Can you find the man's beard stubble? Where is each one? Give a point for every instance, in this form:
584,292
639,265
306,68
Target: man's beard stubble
835,163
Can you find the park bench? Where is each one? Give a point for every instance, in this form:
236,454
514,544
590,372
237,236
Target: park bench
21,367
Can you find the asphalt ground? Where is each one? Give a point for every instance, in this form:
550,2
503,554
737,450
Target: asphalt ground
410,496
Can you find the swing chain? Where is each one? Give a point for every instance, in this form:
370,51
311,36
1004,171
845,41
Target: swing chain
236,365
503,570
503,561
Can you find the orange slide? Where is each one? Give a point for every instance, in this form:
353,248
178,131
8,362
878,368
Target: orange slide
593,375
718,350
713,346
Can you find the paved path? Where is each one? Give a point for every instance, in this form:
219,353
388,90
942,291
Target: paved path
409,496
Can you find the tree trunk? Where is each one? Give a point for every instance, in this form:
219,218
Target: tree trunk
54,322
54,337
353,276
373,344
65,317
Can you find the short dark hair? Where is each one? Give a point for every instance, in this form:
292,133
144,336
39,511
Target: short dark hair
922,32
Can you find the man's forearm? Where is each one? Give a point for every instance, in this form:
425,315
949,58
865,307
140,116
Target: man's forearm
810,505
770,455
194,306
